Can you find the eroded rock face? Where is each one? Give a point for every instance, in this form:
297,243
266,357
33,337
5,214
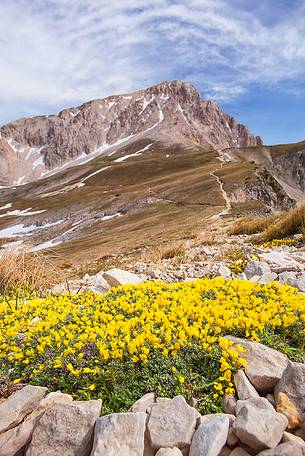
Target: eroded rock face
20,404
265,366
258,425
173,110
119,434
172,423
65,429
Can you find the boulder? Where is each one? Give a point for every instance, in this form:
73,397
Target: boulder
268,277
169,452
265,366
243,387
171,423
287,408
17,438
287,277
292,383
144,403
224,271
258,425
239,452
288,437
228,404
280,262
119,434
116,277
20,404
256,268
284,449
211,435
65,429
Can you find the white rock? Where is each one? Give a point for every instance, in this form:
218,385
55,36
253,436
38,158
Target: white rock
211,436
258,425
169,452
224,271
268,277
116,277
20,404
120,434
171,423
256,268
65,429
285,449
15,439
265,366
243,387
144,403
292,383
280,261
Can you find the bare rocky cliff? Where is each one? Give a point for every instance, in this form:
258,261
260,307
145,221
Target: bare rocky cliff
173,110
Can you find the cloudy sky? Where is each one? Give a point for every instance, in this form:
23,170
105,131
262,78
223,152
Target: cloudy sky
248,56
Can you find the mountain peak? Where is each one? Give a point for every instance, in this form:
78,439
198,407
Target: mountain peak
172,111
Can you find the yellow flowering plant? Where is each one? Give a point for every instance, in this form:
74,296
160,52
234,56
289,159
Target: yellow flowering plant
149,337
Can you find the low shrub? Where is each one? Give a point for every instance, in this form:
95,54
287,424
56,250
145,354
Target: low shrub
251,225
148,337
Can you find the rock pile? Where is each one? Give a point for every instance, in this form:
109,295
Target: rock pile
266,419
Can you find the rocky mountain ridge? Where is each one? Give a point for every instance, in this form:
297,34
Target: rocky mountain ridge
173,111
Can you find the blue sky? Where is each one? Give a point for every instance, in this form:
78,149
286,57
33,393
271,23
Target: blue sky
248,56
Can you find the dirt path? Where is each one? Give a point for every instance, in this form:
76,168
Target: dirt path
228,208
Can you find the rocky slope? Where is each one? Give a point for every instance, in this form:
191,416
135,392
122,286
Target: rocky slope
173,111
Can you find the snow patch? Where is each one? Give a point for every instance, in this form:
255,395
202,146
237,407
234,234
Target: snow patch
22,213
6,206
139,152
108,217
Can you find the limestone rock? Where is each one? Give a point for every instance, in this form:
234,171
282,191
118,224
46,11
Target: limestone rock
288,437
119,434
18,437
280,262
268,277
287,408
169,452
224,271
265,366
228,404
258,425
239,452
256,268
292,383
211,436
171,423
284,449
20,404
116,277
144,403
243,387
65,429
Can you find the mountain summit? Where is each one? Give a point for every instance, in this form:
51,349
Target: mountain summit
172,111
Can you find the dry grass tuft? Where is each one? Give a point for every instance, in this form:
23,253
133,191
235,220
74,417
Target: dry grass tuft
292,222
205,238
32,272
164,252
251,225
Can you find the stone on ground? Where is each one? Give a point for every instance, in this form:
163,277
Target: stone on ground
265,366
288,437
258,425
287,408
144,403
239,452
119,434
211,436
65,429
284,449
171,423
243,387
169,452
268,277
292,383
17,438
228,404
117,277
256,268
20,404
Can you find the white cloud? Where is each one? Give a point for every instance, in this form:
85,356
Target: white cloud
56,53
